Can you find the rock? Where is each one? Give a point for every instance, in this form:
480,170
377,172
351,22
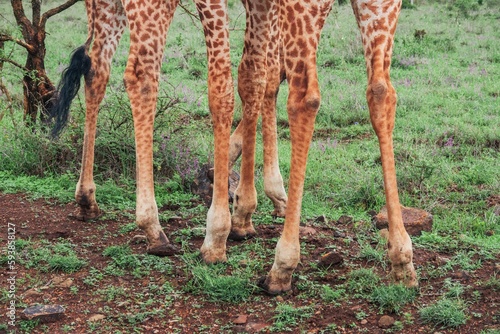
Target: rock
386,322
363,322
344,220
415,220
441,260
306,231
62,282
280,299
31,293
384,233
253,327
43,313
96,317
330,259
241,319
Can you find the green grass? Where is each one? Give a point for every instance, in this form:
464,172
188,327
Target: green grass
58,257
287,316
392,298
362,281
445,313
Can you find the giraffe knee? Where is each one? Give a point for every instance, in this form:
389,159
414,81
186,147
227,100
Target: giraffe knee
378,90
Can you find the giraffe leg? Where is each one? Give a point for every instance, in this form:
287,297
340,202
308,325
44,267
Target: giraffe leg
273,181
377,21
303,104
221,103
106,40
252,75
147,39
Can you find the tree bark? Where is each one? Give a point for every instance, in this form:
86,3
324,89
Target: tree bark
37,88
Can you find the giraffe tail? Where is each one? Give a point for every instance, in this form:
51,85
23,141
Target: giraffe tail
68,88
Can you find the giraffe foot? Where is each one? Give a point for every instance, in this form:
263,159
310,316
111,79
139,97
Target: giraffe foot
240,234
401,256
405,273
162,247
279,208
210,256
88,213
275,287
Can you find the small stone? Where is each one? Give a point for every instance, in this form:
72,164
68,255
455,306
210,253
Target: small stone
363,322
414,220
356,307
65,283
442,260
31,293
386,322
384,233
43,313
344,220
279,299
241,319
330,259
253,327
307,231
96,317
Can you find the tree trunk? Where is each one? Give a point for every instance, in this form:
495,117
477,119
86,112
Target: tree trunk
37,87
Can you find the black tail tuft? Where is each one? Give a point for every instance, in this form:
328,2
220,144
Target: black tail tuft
68,88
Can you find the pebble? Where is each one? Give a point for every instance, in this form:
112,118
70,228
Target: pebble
386,322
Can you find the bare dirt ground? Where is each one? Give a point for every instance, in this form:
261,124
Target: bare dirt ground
190,313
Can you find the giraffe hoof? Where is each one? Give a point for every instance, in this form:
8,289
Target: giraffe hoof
87,214
210,257
164,250
405,274
273,288
240,235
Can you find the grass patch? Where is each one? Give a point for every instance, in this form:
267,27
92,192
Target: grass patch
58,257
287,316
392,298
362,281
216,285
445,313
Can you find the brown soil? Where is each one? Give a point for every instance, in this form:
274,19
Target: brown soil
188,313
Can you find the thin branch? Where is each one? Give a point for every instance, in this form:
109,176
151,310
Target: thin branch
194,18
7,60
56,10
5,38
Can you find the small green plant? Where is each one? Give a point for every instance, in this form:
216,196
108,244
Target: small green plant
330,295
370,254
362,281
453,289
360,315
122,256
210,281
66,264
287,316
392,298
27,326
493,283
445,313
